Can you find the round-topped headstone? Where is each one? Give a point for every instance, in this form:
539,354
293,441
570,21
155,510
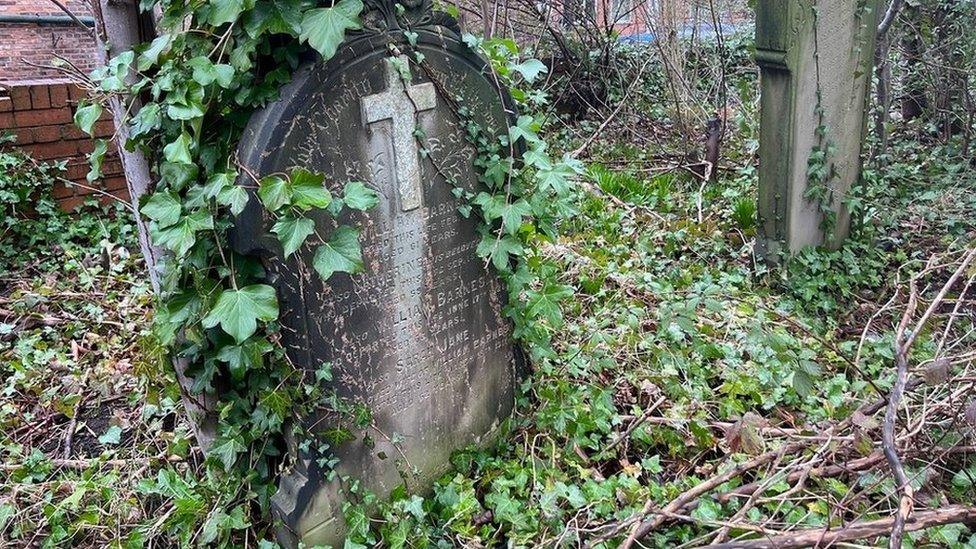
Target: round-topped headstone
419,337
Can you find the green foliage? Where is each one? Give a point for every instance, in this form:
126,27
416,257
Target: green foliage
744,213
325,28
198,86
33,228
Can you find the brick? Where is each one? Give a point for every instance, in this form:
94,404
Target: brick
54,151
84,146
111,167
77,171
113,184
40,99
61,190
59,95
104,128
23,136
72,132
71,203
76,92
6,121
46,134
20,95
43,117
6,105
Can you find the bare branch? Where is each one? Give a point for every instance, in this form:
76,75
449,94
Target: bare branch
858,530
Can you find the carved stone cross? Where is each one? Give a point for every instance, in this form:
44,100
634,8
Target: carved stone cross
400,104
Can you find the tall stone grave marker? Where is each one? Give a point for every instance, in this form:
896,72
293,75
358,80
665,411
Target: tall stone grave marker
815,58
419,337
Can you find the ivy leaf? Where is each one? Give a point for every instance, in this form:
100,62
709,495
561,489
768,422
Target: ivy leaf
95,160
203,70
112,435
112,76
233,196
224,74
238,311
358,196
190,109
530,69
218,182
557,179
498,249
325,28
245,356
225,11
225,450
512,215
497,171
206,73
220,522
181,236
177,176
146,120
505,508
805,377
275,17
274,192
164,208
178,152
292,232
544,303
86,116
307,191
525,128
537,157
150,55
341,254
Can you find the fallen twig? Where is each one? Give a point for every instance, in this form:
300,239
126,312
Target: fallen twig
903,343
858,530
82,464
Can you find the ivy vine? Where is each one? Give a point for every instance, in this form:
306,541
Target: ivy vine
820,169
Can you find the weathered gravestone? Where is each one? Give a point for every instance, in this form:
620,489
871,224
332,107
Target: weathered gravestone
419,337
815,58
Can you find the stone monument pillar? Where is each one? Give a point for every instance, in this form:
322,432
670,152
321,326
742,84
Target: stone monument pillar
815,58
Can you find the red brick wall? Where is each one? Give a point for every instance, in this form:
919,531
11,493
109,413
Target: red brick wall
40,115
23,44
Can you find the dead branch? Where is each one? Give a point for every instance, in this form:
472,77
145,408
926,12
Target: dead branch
83,464
903,343
636,423
582,148
889,17
853,466
642,527
859,530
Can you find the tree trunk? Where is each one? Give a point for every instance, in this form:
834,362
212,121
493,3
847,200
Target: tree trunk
882,72
713,142
913,101
119,27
